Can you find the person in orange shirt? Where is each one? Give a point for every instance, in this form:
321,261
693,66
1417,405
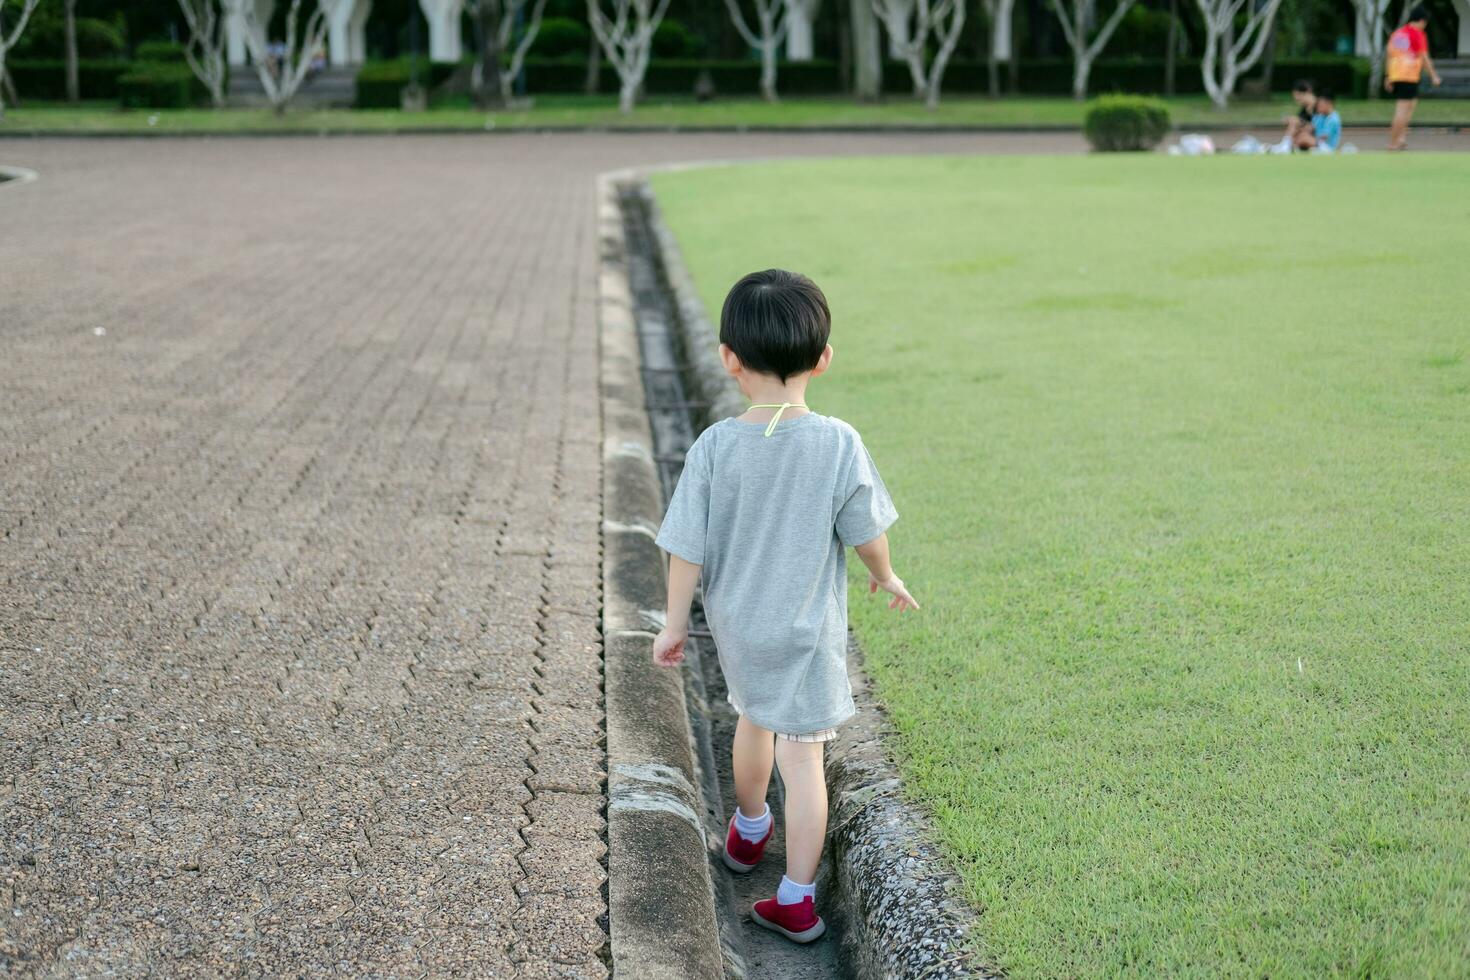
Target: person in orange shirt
1408,57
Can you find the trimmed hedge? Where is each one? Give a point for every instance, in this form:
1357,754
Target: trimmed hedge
160,51
160,85
379,82
46,79
1116,123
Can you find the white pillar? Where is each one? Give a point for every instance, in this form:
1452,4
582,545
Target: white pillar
799,17
236,53
357,32
443,18
898,35
340,17
1000,38
234,38
1462,45
1362,44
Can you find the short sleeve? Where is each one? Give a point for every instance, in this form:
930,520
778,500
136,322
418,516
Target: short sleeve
687,518
867,510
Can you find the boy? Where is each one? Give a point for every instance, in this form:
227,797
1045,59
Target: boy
764,509
1408,57
1326,125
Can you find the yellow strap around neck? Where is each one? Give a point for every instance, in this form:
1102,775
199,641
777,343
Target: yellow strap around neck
780,409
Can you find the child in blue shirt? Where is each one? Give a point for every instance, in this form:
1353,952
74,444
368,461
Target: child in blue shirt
1326,124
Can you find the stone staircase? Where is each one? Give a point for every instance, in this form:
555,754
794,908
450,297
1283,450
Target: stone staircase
1456,75
333,87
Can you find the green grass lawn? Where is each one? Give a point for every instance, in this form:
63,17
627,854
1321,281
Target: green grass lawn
1182,449
575,112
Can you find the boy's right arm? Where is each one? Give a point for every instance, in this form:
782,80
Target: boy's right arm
880,573
668,646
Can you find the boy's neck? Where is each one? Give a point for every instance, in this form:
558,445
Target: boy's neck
767,390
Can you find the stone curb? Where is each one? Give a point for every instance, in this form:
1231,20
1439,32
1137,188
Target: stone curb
660,897
902,913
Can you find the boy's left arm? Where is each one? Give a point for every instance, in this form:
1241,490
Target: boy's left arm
668,646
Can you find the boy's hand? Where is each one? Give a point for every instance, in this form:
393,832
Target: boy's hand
894,587
668,647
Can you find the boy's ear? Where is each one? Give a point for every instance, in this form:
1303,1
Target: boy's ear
731,360
823,362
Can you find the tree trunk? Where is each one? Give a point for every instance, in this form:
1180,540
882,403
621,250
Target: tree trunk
867,52
1081,69
594,68
768,70
1171,52
73,79
487,83
916,71
627,95
992,70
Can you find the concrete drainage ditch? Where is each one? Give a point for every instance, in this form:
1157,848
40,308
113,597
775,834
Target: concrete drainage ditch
890,899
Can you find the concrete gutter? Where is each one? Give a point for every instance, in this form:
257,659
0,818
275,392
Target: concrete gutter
660,897
900,903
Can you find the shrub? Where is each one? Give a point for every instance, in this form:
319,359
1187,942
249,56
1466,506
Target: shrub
159,85
1125,122
160,51
674,40
381,83
558,37
46,79
45,37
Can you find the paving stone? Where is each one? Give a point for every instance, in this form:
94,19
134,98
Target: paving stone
317,516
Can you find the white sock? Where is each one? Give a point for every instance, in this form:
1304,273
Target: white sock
790,893
752,828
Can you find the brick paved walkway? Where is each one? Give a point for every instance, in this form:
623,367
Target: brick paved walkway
299,577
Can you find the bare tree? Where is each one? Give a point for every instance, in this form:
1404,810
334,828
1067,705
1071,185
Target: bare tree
627,40
1372,18
1231,52
499,61
304,37
8,39
999,13
774,19
205,49
73,69
1078,18
910,25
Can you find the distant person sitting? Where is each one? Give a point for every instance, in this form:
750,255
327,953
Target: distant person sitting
1326,125
1303,94
1408,57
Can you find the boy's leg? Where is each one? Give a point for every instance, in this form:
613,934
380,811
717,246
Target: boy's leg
806,807
751,757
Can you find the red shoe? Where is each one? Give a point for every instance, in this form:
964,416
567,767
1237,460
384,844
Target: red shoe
741,856
799,923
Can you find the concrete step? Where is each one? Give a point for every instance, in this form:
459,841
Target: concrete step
331,87
1455,74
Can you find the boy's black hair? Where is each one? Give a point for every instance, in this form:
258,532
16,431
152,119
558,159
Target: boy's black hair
1327,95
776,322
1302,85
1420,12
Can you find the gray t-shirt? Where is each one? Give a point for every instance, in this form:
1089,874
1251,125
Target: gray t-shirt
768,519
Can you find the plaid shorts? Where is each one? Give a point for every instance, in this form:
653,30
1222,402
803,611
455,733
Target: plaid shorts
825,735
